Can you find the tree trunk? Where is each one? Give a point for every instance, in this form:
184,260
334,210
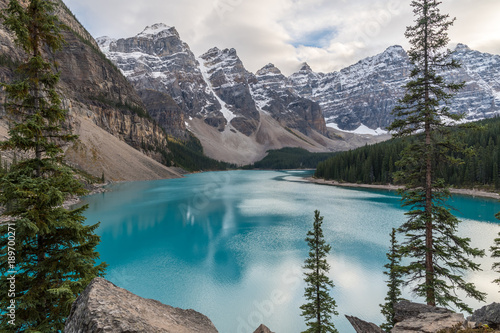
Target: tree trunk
429,264
318,302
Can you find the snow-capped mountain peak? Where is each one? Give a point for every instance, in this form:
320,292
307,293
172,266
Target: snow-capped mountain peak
462,47
158,30
104,43
305,67
269,70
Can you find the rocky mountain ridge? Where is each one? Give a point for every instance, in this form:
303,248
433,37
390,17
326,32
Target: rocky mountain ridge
237,115
217,89
366,92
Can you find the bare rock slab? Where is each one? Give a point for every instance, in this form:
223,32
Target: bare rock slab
106,308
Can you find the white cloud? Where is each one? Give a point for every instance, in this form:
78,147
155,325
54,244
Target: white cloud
327,34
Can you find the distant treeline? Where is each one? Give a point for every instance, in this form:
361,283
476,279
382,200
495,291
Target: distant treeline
290,158
376,164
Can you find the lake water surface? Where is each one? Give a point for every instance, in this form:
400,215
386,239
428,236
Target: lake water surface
231,244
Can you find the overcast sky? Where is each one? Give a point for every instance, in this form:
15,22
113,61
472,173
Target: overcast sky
328,34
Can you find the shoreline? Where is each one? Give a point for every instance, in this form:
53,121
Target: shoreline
467,192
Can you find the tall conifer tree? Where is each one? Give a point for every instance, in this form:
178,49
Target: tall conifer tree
394,283
318,312
440,257
54,253
495,253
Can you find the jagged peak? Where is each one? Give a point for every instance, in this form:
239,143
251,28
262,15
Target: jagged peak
462,47
212,53
158,29
395,49
215,52
268,69
231,51
305,67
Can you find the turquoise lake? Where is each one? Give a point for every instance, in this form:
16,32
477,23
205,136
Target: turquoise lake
231,244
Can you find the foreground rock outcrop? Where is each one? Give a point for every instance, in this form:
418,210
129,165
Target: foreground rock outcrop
487,315
413,317
361,326
104,307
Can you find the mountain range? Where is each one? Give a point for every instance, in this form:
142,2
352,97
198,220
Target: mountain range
130,99
239,115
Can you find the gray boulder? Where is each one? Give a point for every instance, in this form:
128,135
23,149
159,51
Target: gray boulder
106,308
413,317
489,315
405,310
361,326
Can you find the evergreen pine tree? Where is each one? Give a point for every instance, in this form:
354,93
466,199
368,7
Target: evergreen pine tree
54,253
318,312
495,253
394,283
440,257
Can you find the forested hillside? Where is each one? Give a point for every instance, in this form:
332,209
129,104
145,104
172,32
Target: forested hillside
189,156
290,158
376,164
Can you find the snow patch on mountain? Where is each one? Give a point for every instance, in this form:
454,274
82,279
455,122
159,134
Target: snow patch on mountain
228,114
159,30
104,43
362,130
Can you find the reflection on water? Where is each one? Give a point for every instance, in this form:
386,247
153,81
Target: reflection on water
231,244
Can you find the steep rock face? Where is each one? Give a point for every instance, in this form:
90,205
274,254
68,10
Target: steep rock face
480,98
230,81
273,94
364,93
487,315
305,81
93,88
165,111
157,59
104,307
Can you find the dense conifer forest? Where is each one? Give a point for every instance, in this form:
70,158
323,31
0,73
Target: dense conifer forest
375,164
290,158
189,156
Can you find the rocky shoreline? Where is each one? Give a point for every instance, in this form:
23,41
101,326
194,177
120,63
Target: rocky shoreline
468,192
92,189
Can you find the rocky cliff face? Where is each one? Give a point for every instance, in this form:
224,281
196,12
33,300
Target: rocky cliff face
364,93
93,88
273,94
104,307
230,81
158,60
